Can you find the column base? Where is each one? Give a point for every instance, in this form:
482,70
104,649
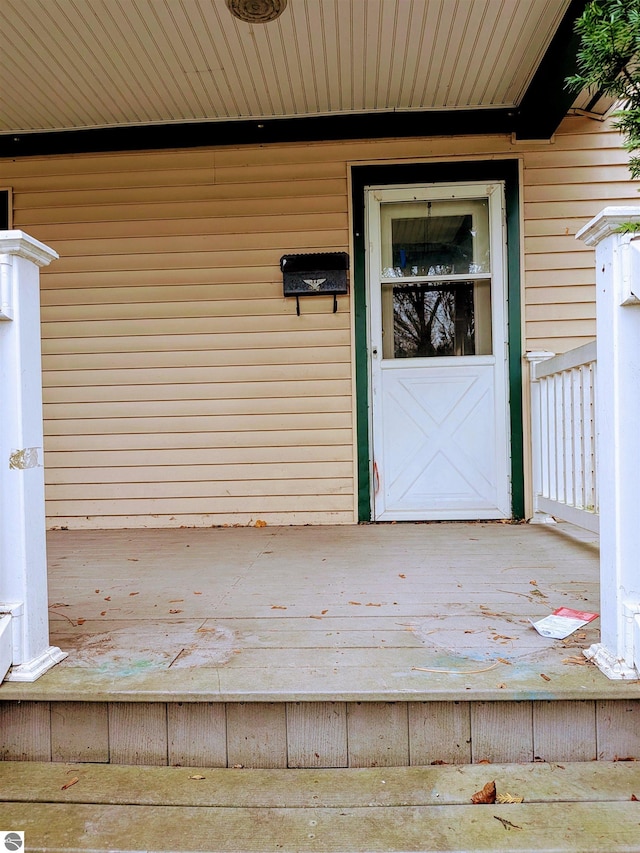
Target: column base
33,669
540,517
611,666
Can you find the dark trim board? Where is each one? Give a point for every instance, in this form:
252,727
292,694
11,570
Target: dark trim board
5,210
432,173
378,125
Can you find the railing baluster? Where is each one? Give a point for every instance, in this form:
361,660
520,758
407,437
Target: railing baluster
563,435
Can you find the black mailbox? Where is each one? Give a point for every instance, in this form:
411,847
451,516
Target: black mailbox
320,274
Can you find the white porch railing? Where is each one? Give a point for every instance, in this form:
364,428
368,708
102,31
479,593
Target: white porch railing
563,435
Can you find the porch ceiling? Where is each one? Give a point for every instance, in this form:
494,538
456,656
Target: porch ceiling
71,64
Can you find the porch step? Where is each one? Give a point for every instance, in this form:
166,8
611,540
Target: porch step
580,806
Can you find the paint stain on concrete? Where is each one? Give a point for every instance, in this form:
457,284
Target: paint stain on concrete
132,649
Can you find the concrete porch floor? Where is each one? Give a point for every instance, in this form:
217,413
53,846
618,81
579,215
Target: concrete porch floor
373,612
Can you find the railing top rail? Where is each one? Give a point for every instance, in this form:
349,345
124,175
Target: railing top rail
586,354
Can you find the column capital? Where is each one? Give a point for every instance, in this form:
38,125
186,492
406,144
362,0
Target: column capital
24,246
607,222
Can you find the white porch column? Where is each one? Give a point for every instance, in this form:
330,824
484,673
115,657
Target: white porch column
23,563
618,438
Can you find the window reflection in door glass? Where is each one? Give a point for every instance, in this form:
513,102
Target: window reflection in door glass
437,320
425,238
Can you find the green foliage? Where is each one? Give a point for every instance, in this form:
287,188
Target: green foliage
609,62
628,228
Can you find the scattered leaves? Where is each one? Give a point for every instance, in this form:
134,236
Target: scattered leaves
546,677
175,600
80,621
70,783
509,798
175,610
634,799
486,795
133,559
507,823
504,660
107,598
576,660
355,602
260,523
324,611
402,576
134,593
278,607
197,593
103,612
371,604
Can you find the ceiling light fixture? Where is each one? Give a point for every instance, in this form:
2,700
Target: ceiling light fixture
256,11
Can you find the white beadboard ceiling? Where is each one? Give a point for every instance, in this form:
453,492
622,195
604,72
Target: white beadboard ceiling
68,64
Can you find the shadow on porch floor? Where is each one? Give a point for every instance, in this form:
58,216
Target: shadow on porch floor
416,612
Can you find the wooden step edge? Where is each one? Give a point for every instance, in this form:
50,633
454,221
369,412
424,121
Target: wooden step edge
532,827
114,784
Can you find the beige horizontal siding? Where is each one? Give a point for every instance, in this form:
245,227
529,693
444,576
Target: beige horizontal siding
566,183
180,386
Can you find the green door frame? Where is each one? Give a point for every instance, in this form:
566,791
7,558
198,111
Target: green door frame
433,173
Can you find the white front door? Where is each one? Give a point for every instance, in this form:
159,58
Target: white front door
438,352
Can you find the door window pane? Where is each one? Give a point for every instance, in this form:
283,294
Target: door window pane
430,320
427,238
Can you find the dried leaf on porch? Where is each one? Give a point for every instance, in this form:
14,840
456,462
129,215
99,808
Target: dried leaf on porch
546,677
576,660
278,607
509,798
486,795
134,593
371,604
507,823
260,523
70,783
174,610
634,798
401,575
355,602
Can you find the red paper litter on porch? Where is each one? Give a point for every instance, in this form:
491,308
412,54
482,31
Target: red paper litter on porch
562,622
